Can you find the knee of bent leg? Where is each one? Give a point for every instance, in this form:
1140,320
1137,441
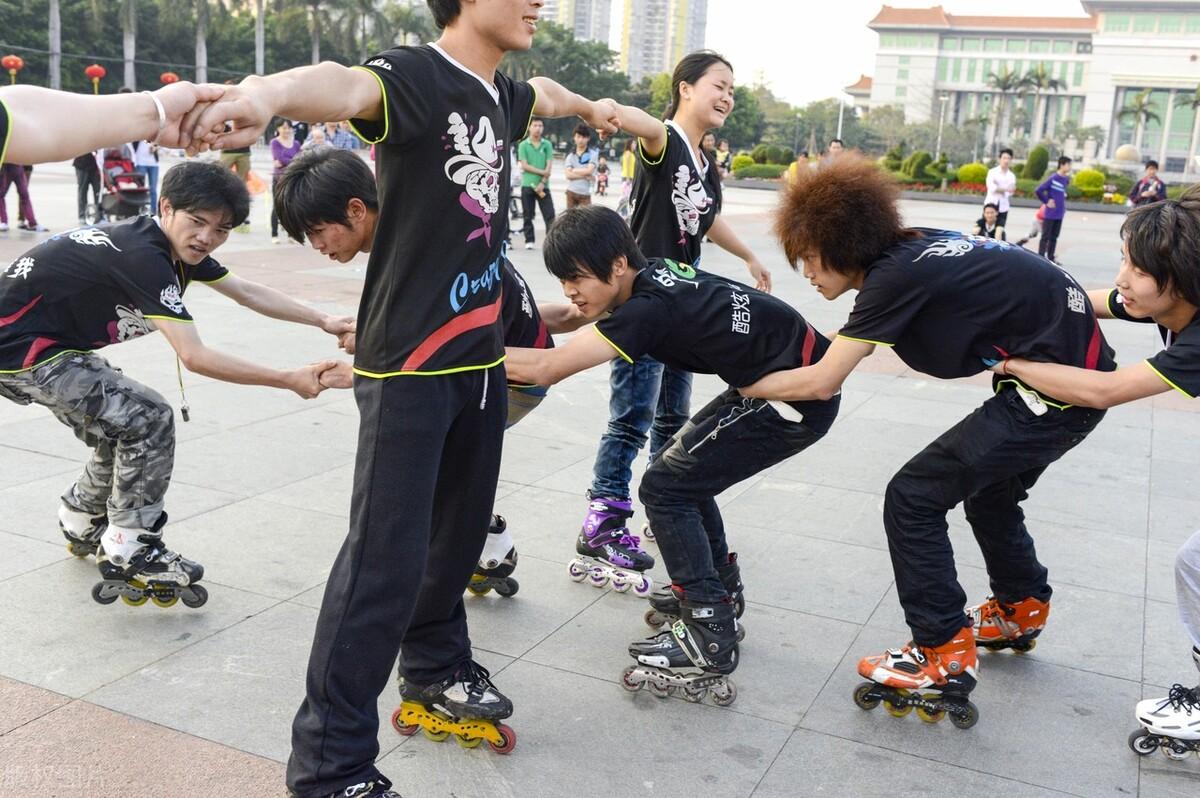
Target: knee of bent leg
152,418
1187,561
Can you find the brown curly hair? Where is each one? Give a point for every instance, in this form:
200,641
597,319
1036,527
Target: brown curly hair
846,212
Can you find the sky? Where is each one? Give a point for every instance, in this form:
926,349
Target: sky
806,51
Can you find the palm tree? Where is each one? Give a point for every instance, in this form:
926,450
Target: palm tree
1040,80
1143,111
129,41
1192,101
318,21
366,26
410,21
1004,83
202,41
55,36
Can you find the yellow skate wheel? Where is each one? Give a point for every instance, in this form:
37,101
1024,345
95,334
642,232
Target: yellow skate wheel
475,590
468,742
930,716
1026,646
164,602
897,711
508,739
437,736
77,551
134,602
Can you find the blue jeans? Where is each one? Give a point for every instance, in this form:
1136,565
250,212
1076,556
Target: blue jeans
646,397
151,173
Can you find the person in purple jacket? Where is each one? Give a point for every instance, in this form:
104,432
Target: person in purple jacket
1053,192
284,148
1150,188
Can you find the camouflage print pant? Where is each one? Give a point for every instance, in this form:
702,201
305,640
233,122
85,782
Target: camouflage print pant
130,428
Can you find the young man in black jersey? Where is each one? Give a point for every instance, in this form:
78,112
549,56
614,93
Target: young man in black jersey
1158,282
640,307
91,287
943,301
429,374
330,197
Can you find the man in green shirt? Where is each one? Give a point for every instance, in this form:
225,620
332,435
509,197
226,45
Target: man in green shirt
537,158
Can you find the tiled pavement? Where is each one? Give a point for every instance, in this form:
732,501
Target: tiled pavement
107,701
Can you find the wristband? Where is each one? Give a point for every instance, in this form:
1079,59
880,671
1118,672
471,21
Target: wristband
162,115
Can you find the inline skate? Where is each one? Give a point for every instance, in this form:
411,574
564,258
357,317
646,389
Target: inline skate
693,658
496,563
136,567
998,625
664,601
82,530
608,552
1171,723
466,705
896,676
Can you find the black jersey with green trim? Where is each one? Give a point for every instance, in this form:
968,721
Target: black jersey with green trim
87,288
695,321
1178,364
946,301
431,301
523,325
676,198
5,130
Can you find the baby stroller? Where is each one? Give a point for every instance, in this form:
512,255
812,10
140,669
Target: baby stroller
125,191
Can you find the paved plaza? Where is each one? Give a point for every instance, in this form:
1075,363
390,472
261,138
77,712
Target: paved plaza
117,700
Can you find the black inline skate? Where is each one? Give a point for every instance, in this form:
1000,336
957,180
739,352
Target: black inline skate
466,705
498,560
664,601
82,530
694,657
136,567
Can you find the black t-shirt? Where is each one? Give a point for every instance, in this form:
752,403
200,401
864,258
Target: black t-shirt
523,325
946,301
87,288
1178,364
431,301
675,200
700,322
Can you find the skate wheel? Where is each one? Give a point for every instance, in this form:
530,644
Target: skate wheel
468,742
1175,750
928,715
621,586
597,577
77,551
966,719
654,619
1142,742
726,697
134,602
403,728
658,690
741,633
863,698
643,588
509,588
165,602
898,710
437,736
198,597
627,680
100,597
475,590
1025,647
508,740
694,694
577,574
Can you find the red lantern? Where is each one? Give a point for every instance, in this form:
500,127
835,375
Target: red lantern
168,78
14,64
95,72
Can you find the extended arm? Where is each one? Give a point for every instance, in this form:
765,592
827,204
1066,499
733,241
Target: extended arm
651,131
549,366
726,239
278,305
1099,299
822,380
198,358
309,94
83,122
1087,387
554,101
562,317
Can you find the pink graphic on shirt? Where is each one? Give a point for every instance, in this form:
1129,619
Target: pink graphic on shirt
476,167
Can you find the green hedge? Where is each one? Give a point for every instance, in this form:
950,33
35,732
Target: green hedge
768,171
916,165
1174,192
1035,167
1089,179
741,161
972,173
1027,186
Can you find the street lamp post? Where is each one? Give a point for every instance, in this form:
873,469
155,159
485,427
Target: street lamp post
945,98
796,136
841,113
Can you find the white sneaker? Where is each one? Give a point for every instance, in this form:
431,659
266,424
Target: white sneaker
4,228
274,240
528,245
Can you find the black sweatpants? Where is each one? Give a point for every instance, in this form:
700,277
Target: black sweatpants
530,199
1048,246
988,461
86,179
424,482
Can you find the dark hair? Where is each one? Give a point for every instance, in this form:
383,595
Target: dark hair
836,141
206,186
690,69
537,119
1064,160
587,241
629,145
1164,241
803,154
1008,151
991,205
316,187
847,193
1151,163
444,11
583,130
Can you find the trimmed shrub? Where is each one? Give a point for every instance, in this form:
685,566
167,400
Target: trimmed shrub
1016,168
1174,192
972,173
1089,179
1035,167
893,158
760,171
1073,191
1027,187
741,161
1123,183
916,165
759,153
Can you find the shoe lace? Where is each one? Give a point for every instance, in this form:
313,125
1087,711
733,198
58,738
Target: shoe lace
1185,698
476,677
992,608
632,541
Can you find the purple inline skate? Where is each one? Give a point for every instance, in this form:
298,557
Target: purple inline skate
607,551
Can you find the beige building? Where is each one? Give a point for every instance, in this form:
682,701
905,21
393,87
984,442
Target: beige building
657,33
587,19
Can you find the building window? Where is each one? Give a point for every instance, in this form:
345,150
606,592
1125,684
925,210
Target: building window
1077,80
1083,48
971,70
949,43
971,45
1039,46
1062,47
1144,23
987,68
1017,65
993,45
902,91
1170,23
1062,71
941,69
1015,45
1116,23
905,59
1192,23
956,72
887,40
1181,126
901,74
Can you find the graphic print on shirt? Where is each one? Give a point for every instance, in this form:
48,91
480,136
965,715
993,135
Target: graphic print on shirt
172,298
91,237
129,324
21,267
691,202
957,247
476,167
